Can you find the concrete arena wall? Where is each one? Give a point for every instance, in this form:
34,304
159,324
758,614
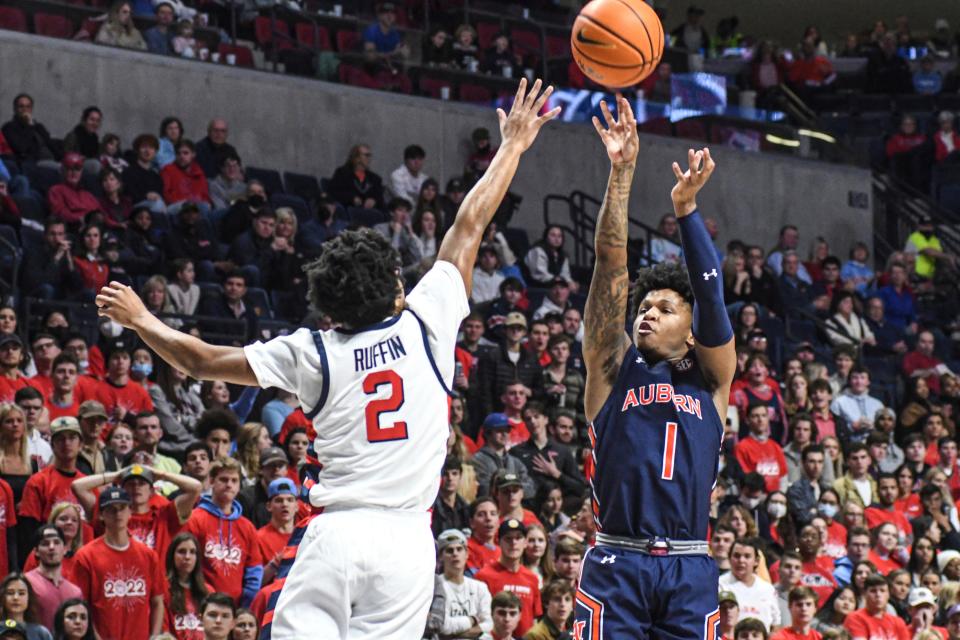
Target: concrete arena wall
308,126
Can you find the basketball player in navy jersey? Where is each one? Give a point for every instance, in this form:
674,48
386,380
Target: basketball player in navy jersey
655,400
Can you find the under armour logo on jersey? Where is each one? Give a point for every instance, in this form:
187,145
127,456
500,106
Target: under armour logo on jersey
709,274
608,559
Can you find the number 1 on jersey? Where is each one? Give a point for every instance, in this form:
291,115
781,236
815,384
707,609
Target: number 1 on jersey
376,433
669,451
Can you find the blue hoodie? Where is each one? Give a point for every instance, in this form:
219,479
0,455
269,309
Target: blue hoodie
252,576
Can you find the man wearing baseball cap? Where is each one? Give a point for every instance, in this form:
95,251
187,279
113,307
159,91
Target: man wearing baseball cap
493,456
253,499
154,520
507,489
923,611
11,359
12,630
508,573
69,201
557,299
95,456
121,578
273,536
50,588
52,484
729,614
467,600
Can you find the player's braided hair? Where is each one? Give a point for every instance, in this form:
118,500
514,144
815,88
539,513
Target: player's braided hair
355,280
666,275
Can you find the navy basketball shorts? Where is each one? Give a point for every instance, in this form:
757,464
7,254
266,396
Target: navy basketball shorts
628,594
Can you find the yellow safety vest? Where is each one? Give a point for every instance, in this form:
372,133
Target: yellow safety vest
926,266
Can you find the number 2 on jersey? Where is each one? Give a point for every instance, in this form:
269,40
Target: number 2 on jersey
389,404
669,451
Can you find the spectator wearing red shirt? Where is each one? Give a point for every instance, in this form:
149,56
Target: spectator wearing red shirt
185,589
481,546
231,556
885,509
906,139
50,588
757,452
154,520
63,398
945,140
816,571
509,574
811,72
120,577
882,554
8,523
803,606
11,359
184,180
88,261
69,201
118,393
507,489
273,536
218,615
922,363
873,622
52,484
44,348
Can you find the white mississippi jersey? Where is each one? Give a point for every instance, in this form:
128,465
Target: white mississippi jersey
378,396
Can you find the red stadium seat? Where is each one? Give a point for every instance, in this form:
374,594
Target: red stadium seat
486,31
475,93
244,54
348,41
265,29
526,42
558,46
52,25
432,86
13,19
313,37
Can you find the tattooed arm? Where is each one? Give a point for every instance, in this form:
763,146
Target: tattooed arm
605,342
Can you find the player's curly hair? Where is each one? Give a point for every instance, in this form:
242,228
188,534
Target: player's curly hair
355,280
666,275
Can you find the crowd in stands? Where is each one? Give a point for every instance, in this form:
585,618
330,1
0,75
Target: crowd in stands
139,503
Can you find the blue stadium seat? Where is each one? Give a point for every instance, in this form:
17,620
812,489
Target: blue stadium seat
269,177
11,164
41,178
258,299
301,185
518,240
30,208
31,238
949,198
366,217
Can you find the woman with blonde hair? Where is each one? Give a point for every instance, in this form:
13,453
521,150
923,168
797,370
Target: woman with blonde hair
796,398
538,556
119,30
16,465
252,438
68,517
156,298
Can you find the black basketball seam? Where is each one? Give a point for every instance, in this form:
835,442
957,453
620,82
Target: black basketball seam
643,58
642,23
611,66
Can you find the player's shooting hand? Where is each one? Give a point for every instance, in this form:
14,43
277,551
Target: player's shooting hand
121,304
700,166
521,126
620,135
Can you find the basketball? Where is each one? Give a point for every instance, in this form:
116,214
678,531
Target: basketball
617,43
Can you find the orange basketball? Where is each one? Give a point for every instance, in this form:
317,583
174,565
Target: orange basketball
617,43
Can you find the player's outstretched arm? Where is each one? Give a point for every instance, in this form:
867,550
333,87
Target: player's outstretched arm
713,335
604,340
518,130
191,355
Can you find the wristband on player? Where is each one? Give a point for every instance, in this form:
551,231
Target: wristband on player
711,324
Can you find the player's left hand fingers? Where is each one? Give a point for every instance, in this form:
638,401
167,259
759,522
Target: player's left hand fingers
549,115
538,105
626,112
521,92
708,164
607,116
501,116
532,94
677,172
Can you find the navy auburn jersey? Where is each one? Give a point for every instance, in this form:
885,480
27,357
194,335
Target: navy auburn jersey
656,446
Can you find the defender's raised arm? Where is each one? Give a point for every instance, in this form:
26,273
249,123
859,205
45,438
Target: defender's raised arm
605,342
518,130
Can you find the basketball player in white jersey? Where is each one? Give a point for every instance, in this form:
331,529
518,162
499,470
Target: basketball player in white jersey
376,390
